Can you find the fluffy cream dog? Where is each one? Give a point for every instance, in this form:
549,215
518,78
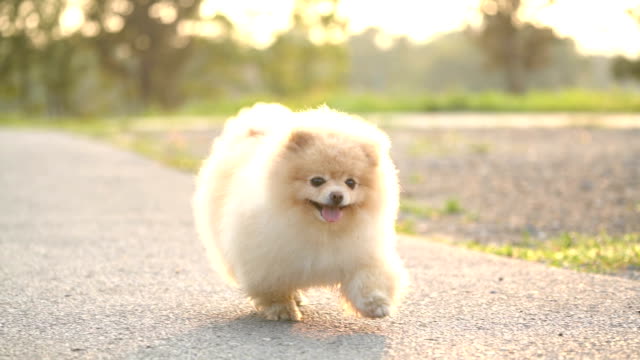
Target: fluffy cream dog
289,201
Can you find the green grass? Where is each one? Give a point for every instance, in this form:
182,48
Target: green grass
480,148
424,146
600,253
452,207
119,132
568,100
412,211
406,226
90,127
418,209
418,178
171,155
572,100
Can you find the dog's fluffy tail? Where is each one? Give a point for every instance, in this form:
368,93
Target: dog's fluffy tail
237,144
256,121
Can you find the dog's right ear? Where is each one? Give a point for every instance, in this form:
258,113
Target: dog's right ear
298,140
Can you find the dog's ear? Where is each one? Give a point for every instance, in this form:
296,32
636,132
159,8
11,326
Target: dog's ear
371,154
299,139
254,133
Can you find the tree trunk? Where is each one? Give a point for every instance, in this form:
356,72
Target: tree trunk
144,79
514,77
514,71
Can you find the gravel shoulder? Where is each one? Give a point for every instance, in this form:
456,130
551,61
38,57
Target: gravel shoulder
98,258
513,182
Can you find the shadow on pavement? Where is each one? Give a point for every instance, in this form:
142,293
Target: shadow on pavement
251,337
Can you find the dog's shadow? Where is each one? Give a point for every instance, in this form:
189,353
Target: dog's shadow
251,337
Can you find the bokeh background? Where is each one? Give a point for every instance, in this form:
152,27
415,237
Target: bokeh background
124,57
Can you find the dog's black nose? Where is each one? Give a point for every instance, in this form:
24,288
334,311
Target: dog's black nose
336,197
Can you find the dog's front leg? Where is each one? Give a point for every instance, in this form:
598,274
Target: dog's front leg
277,306
371,291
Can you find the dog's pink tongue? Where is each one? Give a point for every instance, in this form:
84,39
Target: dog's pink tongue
331,214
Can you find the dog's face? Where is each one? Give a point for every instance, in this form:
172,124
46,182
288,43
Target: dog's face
327,176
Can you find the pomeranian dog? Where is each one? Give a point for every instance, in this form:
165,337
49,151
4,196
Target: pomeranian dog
287,201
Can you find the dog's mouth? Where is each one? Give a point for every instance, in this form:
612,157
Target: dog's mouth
327,212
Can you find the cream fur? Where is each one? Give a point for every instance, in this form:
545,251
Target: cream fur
255,214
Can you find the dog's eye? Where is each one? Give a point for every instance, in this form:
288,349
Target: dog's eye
317,181
350,183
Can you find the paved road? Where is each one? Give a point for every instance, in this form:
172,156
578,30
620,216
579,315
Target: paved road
98,259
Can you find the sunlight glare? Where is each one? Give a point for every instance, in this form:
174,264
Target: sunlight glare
419,20
598,27
256,22
71,19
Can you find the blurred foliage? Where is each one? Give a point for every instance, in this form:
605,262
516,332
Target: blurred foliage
133,55
295,65
304,59
453,62
601,253
30,48
415,209
150,56
139,42
622,67
570,100
511,45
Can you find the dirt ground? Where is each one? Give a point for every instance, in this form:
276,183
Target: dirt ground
501,184
532,182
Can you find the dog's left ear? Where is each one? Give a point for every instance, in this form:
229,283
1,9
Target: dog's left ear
371,153
298,140
254,132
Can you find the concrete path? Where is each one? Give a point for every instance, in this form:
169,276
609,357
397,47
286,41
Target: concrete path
98,259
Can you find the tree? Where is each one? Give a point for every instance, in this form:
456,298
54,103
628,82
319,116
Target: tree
623,67
35,62
511,45
139,40
306,57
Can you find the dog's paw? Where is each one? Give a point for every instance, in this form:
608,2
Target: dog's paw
300,299
375,305
281,311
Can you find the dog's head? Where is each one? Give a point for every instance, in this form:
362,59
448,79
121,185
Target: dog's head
327,175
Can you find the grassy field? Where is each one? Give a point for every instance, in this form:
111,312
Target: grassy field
533,101
585,252
600,253
565,101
